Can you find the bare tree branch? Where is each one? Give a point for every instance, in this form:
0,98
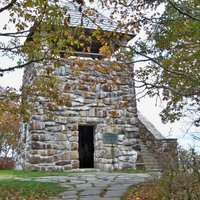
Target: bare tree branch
183,12
8,6
19,66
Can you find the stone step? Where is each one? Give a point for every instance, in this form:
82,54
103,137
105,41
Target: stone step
150,162
152,166
149,156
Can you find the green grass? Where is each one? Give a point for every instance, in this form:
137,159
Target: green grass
30,190
35,174
21,190
28,174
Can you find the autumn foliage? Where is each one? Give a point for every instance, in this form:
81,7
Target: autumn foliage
176,183
9,123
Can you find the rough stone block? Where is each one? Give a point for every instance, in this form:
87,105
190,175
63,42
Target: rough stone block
34,159
128,142
132,109
83,113
42,152
62,156
74,155
55,169
73,133
39,111
63,162
74,127
73,139
61,119
108,167
92,112
46,159
121,138
40,118
61,137
30,167
38,159
40,137
83,87
74,146
63,127
129,153
67,87
132,121
107,101
127,98
54,128
50,152
131,129
75,164
102,113
99,153
68,113
109,154
34,152
89,101
80,99
99,136
50,123
67,167
120,121
117,152
101,95
38,145
113,113
37,125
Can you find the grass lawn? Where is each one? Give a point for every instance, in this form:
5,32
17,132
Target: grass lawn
28,190
35,174
29,174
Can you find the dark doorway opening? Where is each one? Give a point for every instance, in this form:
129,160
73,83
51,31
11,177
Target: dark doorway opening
86,146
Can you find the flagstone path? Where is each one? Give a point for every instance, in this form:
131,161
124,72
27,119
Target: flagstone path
95,186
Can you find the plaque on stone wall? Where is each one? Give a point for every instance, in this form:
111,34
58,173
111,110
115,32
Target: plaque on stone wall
110,138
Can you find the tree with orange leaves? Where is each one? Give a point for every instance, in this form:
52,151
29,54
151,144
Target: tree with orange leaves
9,123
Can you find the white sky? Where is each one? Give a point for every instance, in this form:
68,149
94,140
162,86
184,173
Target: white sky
146,105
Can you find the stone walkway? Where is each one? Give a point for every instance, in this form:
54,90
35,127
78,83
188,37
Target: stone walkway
95,186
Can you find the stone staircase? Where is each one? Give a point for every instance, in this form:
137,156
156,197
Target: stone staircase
150,162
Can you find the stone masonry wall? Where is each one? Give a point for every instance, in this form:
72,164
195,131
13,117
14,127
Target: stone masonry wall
100,94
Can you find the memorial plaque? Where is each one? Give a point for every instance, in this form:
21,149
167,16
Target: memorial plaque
110,138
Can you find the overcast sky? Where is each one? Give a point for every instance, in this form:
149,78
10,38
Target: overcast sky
146,105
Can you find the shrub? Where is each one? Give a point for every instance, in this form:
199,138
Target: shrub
6,163
177,182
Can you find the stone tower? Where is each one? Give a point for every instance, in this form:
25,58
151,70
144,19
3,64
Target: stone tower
98,127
